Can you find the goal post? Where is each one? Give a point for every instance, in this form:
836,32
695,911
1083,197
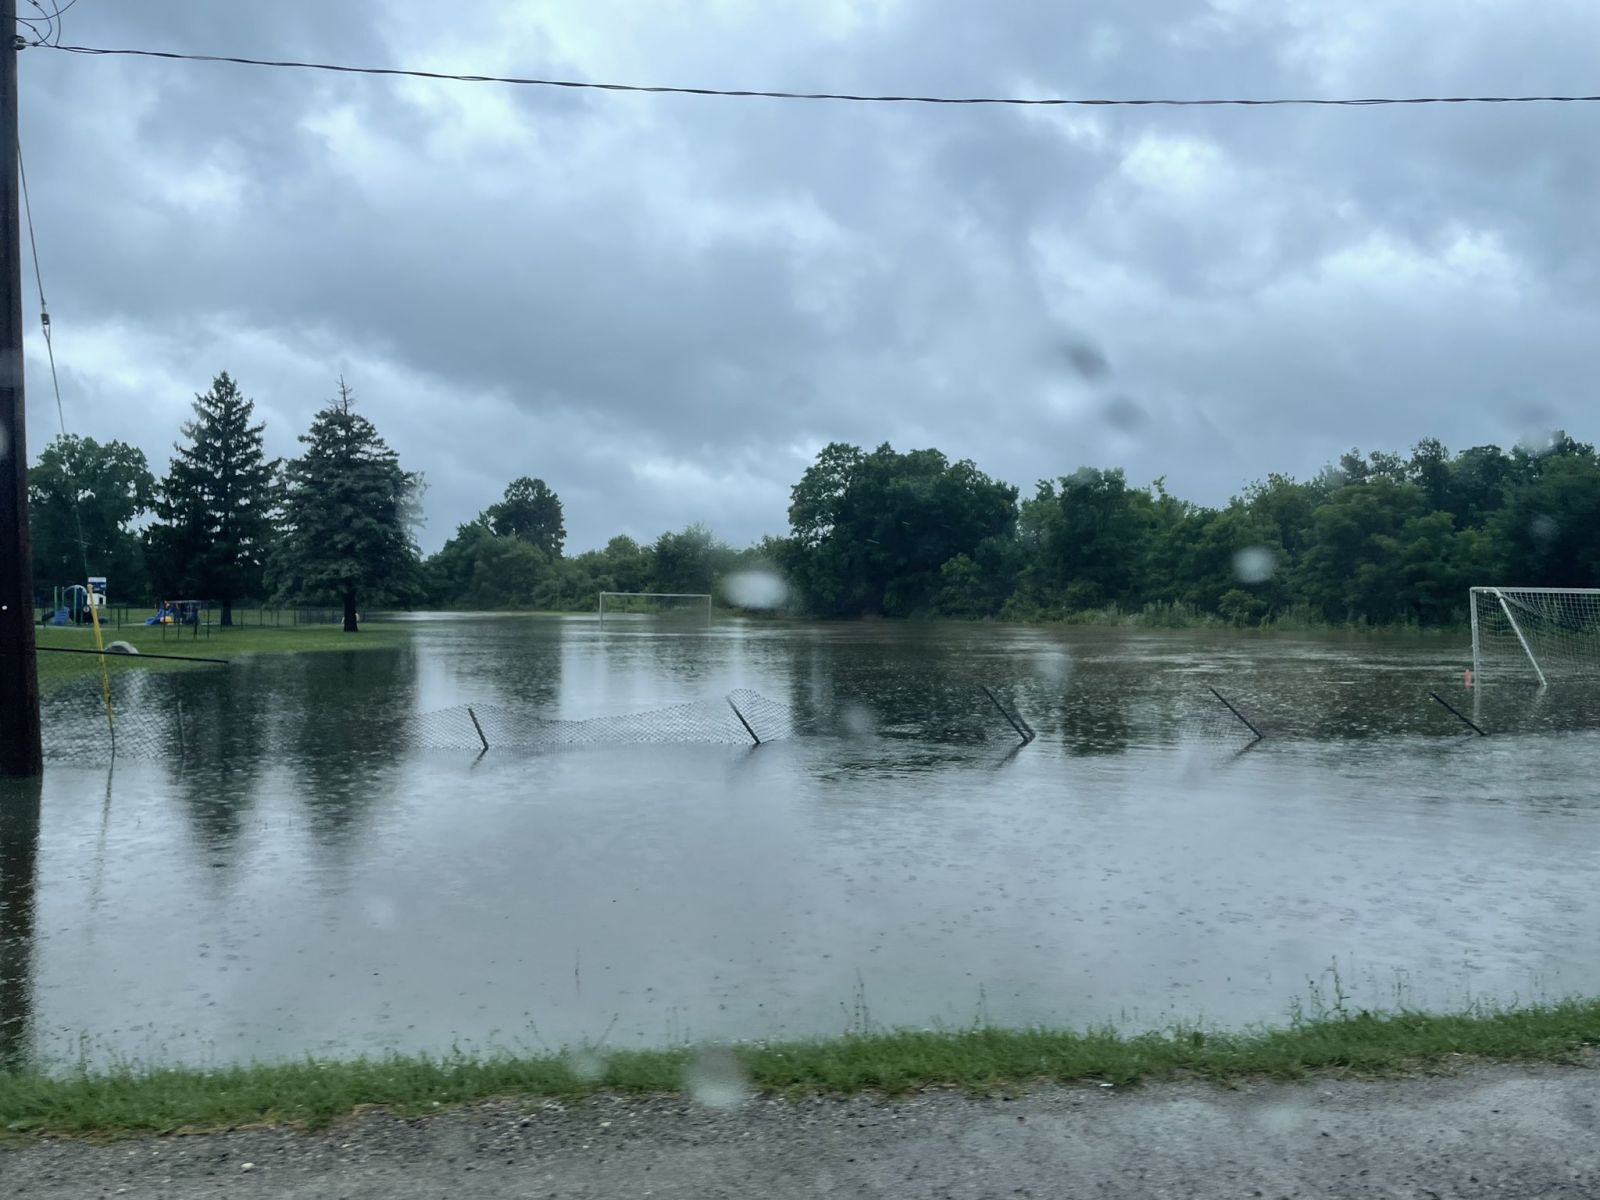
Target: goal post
690,606
1535,633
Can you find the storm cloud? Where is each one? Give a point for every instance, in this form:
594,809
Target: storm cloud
665,305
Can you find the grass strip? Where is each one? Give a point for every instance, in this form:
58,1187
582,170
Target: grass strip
136,1100
233,642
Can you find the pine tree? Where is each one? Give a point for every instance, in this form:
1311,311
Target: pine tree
216,503
348,512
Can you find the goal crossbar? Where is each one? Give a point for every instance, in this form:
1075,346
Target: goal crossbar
1549,631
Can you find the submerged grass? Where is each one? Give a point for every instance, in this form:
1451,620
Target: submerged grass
143,1100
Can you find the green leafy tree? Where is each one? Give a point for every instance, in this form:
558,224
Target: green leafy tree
626,565
106,486
1351,571
1478,481
871,532
348,514
1436,564
1221,553
1529,461
532,512
215,505
1285,506
962,589
1548,532
1429,469
448,575
1092,533
687,561
507,572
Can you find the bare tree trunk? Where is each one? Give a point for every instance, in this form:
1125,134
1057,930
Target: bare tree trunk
350,611
227,610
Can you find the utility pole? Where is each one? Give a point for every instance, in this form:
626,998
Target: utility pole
19,876
20,751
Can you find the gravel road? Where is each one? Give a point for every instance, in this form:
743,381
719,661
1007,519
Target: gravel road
1500,1131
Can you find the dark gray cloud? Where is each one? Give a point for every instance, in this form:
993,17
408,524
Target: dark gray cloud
665,305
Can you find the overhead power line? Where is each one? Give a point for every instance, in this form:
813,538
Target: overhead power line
744,93
50,18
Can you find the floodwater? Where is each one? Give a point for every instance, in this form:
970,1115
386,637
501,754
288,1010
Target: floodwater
305,876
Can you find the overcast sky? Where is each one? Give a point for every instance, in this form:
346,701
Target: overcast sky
665,305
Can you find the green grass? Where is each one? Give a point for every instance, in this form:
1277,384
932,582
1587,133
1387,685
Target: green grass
230,643
143,1100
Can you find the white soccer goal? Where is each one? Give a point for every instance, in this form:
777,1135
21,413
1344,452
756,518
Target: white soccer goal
1537,633
679,607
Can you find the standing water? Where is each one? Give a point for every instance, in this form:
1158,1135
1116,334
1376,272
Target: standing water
309,877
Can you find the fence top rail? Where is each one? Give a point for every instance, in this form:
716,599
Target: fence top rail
120,654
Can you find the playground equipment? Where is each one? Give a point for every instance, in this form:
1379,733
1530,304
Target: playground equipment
176,612
71,603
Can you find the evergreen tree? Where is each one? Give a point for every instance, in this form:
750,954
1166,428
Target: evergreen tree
216,503
348,513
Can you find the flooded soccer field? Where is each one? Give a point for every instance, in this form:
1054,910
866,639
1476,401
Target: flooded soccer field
329,863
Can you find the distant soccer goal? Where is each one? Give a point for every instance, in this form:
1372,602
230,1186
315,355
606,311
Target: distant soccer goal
680,609
1536,634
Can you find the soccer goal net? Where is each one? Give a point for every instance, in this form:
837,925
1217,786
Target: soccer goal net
678,609
1537,634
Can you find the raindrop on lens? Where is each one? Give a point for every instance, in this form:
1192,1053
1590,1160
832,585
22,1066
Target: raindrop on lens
756,589
586,1065
858,721
1254,564
715,1078
1123,414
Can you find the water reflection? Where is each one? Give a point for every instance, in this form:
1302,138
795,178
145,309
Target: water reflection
305,879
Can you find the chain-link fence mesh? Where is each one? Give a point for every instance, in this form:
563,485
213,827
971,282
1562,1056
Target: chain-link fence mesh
476,727
138,712
148,717
95,706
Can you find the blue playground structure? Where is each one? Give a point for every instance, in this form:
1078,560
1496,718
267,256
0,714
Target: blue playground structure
176,612
71,603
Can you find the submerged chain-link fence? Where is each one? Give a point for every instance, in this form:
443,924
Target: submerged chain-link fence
150,720
101,705
742,717
147,706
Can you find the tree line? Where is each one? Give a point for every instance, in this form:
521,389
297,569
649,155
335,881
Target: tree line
1375,539
1381,538
225,523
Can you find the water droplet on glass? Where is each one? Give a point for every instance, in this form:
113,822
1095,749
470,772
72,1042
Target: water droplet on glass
1086,360
380,912
1053,665
586,1065
858,721
756,589
1281,1116
715,1078
1542,528
1539,444
1122,413
1254,564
